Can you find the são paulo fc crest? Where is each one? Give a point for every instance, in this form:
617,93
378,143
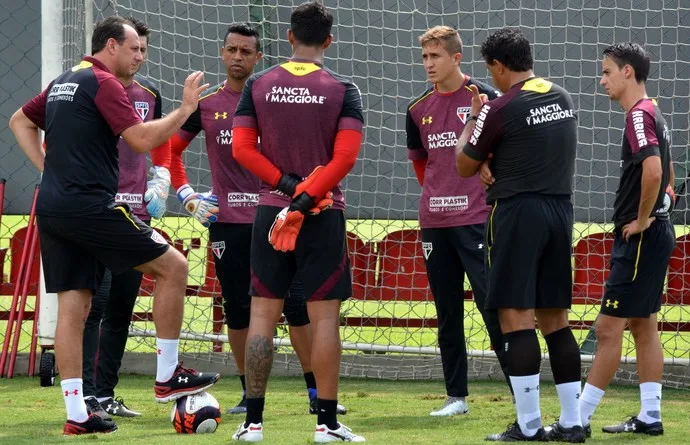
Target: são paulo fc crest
427,248
463,114
142,108
218,248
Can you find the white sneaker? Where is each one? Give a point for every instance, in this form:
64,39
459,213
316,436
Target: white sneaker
324,434
452,407
252,433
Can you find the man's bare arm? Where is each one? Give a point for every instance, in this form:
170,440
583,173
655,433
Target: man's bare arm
28,138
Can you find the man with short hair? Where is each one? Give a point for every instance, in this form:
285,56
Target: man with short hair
230,218
107,326
642,247
452,210
310,121
82,229
531,132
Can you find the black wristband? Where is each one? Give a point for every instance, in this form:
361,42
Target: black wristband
288,183
472,118
302,203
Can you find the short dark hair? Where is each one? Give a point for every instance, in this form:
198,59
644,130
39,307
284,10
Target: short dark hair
510,47
243,29
140,27
311,23
632,54
109,28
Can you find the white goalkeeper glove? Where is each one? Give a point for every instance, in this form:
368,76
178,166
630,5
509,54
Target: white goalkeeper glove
157,192
202,206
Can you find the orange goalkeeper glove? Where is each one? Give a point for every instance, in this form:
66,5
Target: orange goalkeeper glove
285,229
293,185
324,204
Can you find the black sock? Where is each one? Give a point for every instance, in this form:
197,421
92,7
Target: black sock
564,355
327,413
310,380
244,384
523,352
255,410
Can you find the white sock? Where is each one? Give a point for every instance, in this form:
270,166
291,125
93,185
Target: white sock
569,395
102,399
527,403
72,392
167,358
650,395
589,400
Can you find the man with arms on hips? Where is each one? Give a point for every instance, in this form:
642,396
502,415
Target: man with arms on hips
452,210
82,229
531,132
642,247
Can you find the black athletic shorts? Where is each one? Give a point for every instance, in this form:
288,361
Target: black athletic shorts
320,258
529,251
635,285
75,250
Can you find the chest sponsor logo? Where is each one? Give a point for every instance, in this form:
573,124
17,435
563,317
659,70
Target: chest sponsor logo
479,125
463,113
548,113
638,126
218,247
224,137
134,200
62,91
142,109
293,95
447,139
236,199
448,203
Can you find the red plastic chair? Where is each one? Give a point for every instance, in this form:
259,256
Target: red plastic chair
592,266
679,273
363,265
16,246
402,272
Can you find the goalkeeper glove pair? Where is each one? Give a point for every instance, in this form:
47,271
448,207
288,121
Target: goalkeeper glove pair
202,206
157,192
287,224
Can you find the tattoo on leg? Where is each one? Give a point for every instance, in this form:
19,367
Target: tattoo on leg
257,366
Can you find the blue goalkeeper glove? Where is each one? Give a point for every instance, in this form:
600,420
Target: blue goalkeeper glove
157,192
202,206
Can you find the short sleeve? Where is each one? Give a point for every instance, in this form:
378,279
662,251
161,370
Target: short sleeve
158,108
35,109
193,124
486,134
640,130
114,105
415,147
351,116
245,114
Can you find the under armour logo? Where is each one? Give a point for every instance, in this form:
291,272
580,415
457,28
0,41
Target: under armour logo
630,427
223,115
158,351
182,379
426,120
528,389
612,303
74,393
577,396
480,246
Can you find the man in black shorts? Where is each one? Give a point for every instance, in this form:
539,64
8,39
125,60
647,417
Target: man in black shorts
308,117
82,229
642,247
531,132
452,210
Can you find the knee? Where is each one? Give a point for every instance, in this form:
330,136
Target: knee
643,329
236,316
296,313
173,267
607,332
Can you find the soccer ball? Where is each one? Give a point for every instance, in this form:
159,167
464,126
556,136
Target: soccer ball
199,414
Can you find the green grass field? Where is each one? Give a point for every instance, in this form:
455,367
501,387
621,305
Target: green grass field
385,412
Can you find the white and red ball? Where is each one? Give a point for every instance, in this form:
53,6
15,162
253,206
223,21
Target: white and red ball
197,414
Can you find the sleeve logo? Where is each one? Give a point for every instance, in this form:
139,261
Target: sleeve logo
638,126
479,126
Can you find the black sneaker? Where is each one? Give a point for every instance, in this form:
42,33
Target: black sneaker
184,382
588,430
340,409
241,407
513,434
635,425
93,407
94,424
118,408
557,433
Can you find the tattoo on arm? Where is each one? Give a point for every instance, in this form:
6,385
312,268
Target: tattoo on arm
258,363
